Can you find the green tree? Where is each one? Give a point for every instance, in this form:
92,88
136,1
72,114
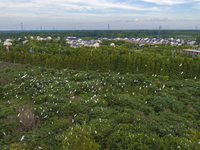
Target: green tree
60,63
184,68
78,137
190,69
132,137
28,58
198,40
47,64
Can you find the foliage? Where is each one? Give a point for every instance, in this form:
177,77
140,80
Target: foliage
114,98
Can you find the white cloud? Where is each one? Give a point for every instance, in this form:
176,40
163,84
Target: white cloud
122,11
71,5
167,2
157,20
197,5
68,9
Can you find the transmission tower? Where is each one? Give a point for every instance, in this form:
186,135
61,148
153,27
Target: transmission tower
160,28
21,26
108,26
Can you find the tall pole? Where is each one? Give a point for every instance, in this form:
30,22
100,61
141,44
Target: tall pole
196,30
59,51
21,27
108,27
160,27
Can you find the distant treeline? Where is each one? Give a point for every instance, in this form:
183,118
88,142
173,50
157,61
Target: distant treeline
129,62
105,33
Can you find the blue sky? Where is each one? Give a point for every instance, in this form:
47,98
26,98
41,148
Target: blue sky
97,14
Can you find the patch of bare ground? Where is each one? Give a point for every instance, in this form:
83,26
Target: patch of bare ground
28,120
8,65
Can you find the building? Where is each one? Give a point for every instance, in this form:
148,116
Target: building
9,40
49,38
191,51
24,42
112,44
7,44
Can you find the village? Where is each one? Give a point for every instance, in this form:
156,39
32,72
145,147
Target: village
77,42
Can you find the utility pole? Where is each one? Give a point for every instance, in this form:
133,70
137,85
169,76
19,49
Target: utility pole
173,53
160,27
196,30
59,49
21,27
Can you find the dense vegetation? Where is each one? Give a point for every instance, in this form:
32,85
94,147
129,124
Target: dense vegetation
124,58
108,98
66,109
184,34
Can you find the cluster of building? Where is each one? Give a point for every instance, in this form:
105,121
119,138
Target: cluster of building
142,41
47,38
76,42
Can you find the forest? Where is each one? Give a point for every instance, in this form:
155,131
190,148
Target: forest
184,34
161,59
125,97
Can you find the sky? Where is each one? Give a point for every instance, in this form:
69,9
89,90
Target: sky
97,14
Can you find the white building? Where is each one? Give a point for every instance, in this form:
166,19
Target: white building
7,43
8,40
96,45
191,51
49,38
112,44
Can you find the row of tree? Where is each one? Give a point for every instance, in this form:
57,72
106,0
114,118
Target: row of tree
132,62
105,33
